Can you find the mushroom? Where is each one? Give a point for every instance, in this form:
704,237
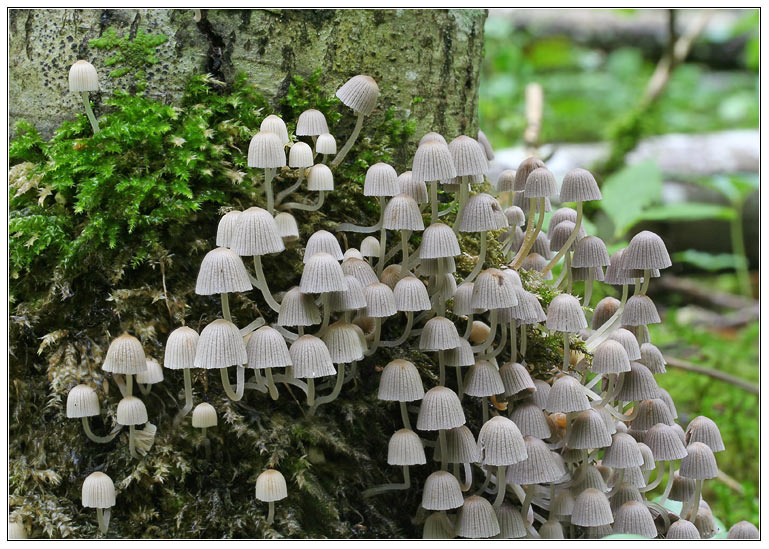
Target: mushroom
325,145
634,517
538,467
477,519
266,349
590,252
592,510
180,352
321,275
221,272
219,347
540,184
380,304
482,213
83,79
360,94
287,227
273,123
471,164
433,162
153,375
410,296
226,228
271,487
400,382
440,410
698,464
83,402
132,412
299,156
564,314
99,492
125,355
203,417
311,359
483,380
402,214
501,444
439,334
441,493
266,151
405,449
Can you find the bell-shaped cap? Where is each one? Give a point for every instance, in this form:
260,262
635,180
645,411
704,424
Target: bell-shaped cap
405,448
381,180
551,529
82,401
320,178
298,309
516,378
322,242
477,519
266,348
300,155
542,393
369,247
562,504
628,341
131,411
222,271
380,301
311,122
506,183
153,374
441,492
435,527
310,358
483,380
438,267
560,234
350,299
664,443
615,274
440,409
634,517
652,412
402,214
204,416
125,355
400,382
524,170
703,429
511,524
541,245
704,522
322,273
590,251
610,357
564,314
530,419
438,240
461,446
463,300
271,486
266,151
579,185
411,294
700,463
226,228
591,508
181,347
539,467
743,530
515,216
668,400
500,442
325,144
540,183
360,269
275,124
683,488
484,142
432,136
469,156
288,230
683,529
460,356
591,478
623,452
352,253
529,309
588,431
220,346
604,310
392,274
640,311
646,251
482,213
566,395
622,494
493,290
438,334
98,491
412,187
83,77
652,358
639,384
648,456
433,162
359,93
256,233
343,342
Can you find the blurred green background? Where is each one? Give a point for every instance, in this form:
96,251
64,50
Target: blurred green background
594,67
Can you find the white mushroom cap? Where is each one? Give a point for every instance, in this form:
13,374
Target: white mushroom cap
154,373
493,290
203,416
482,213
634,517
275,124
411,295
226,228
287,227
266,348
461,446
510,522
256,233
529,309
343,342
436,528
298,309
623,452
322,273
683,529
311,122
271,486
539,467
266,151
350,299
405,448
380,301
432,136
664,443
402,214
98,491
320,178
369,247
131,411
433,162
610,357
441,492
477,519
540,183
515,216
181,347
516,378
439,334
564,314
359,93
469,156
700,463
463,300
412,187
579,185
483,380
439,240
588,431
322,242
300,155
460,356
551,529
125,355
222,271
325,144
311,358
646,251
381,180
566,395
361,270
703,429
592,508
400,382
82,401
83,77
440,409
352,253
220,346
16,529
500,442
530,419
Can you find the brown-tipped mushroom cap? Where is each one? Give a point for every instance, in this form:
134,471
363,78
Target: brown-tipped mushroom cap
482,213
381,180
298,309
440,409
98,491
604,310
640,311
405,448
125,355
322,273
524,170
204,416
222,271
628,341
441,492
438,334
635,518
682,529
564,314
220,346
402,214
322,242
664,443
511,524
592,508
438,240
271,486
700,463
131,411
433,162
400,382
500,442
704,429
468,155
539,467
743,530
256,233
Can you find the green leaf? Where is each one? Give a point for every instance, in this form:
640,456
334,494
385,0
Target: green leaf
688,211
707,261
628,192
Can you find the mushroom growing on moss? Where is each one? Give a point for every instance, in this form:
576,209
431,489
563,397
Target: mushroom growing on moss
271,487
99,492
83,79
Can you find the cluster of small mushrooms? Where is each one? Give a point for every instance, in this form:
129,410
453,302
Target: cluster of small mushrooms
573,455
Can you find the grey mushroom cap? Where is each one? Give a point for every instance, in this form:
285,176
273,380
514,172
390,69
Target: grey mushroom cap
460,356
322,273
402,214
622,494
311,358
704,429
500,442
530,419
579,185
411,295
477,519
634,517
743,530
511,524
300,155
256,233
482,213
564,314
628,341
433,162
322,241
439,240
516,378
590,251
652,358
610,357
344,342
683,488
483,380
226,228
651,412
400,382
592,508
351,299
524,170
604,310
275,124
640,311
566,395
539,467
412,187
469,156
664,443
646,251
682,529
435,527
623,452
380,300
540,183
589,431
493,290
639,384
298,309
486,144
506,181
360,269
438,334
699,463
551,529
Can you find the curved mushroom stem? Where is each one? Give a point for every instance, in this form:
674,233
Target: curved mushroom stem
89,112
315,206
527,489
335,393
469,327
569,241
617,483
382,488
501,486
326,315
271,383
132,442
103,515
464,191
492,334
566,361
444,450
226,307
377,335
433,201
96,438
669,484
352,228
468,483
288,190
661,510
241,380
405,416
441,369
310,391
603,333
647,278
382,239
530,237
270,512
263,286
350,142
558,283
406,332
481,259
288,380
588,288
527,234
657,480
144,388
269,173
494,353
187,397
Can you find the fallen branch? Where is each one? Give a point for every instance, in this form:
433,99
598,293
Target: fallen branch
704,296
715,374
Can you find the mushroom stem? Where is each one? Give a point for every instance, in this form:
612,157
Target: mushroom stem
485,484
657,480
444,451
460,383
382,488
129,383
315,206
469,327
226,307
132,442
669,484
531,235
335,393
310,391
271,384
433,201
500,347
241,380
103,515
268,175
588,288
89,112
647,279
405,416
382,240
441,369
447,522
187,397
288,190
602,333
492,333
326,315
513,342
263,286
661,511
270,512
694,503
569,241
350,142
206,443
501,486
288,380
377,335
406,332
463,192
481,259
405,248
351,228
96,438
523,343
465,486
144,389
485,409
566,361
527,489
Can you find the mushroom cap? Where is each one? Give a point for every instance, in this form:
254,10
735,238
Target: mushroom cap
516,378
369,247
639,384
411,294
98,491
484,142
325,144
628,341
622,494
558,236
322,273
271,486
530,419
634,517
181,347
351,299
400,382
440,409
535,262
592,478
683,488
683,529
610,357
298,309
592,508
322,242
477,519
83,77
511,524
360,269
441,492
320,178
469,156
743,530
437,267
664,443
640,311
590,251
541,393
16,529
515,216
646,251
589,431
604,310
82,401
222,271
220,346
463,300
256,233
125,355
623,452
433,162
343,342
460,356
652,358
359,93
579,185
563,504
651,412
540,183
266,151
381,180
435,528
300,155
380,300
551,529
273,123
266,348
405,448
524,170
529,309
506,183
648,456
311,358
482,213
311,122
539,467
153,374
461,446
353,253
402,214
704,522
615,274
566,395
432,136
522,201
703,429
564,314
414,188
493,290
541,245
438,334
439,240
500,442
287,227
700,463
131,411
483,380
226,228
204,415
